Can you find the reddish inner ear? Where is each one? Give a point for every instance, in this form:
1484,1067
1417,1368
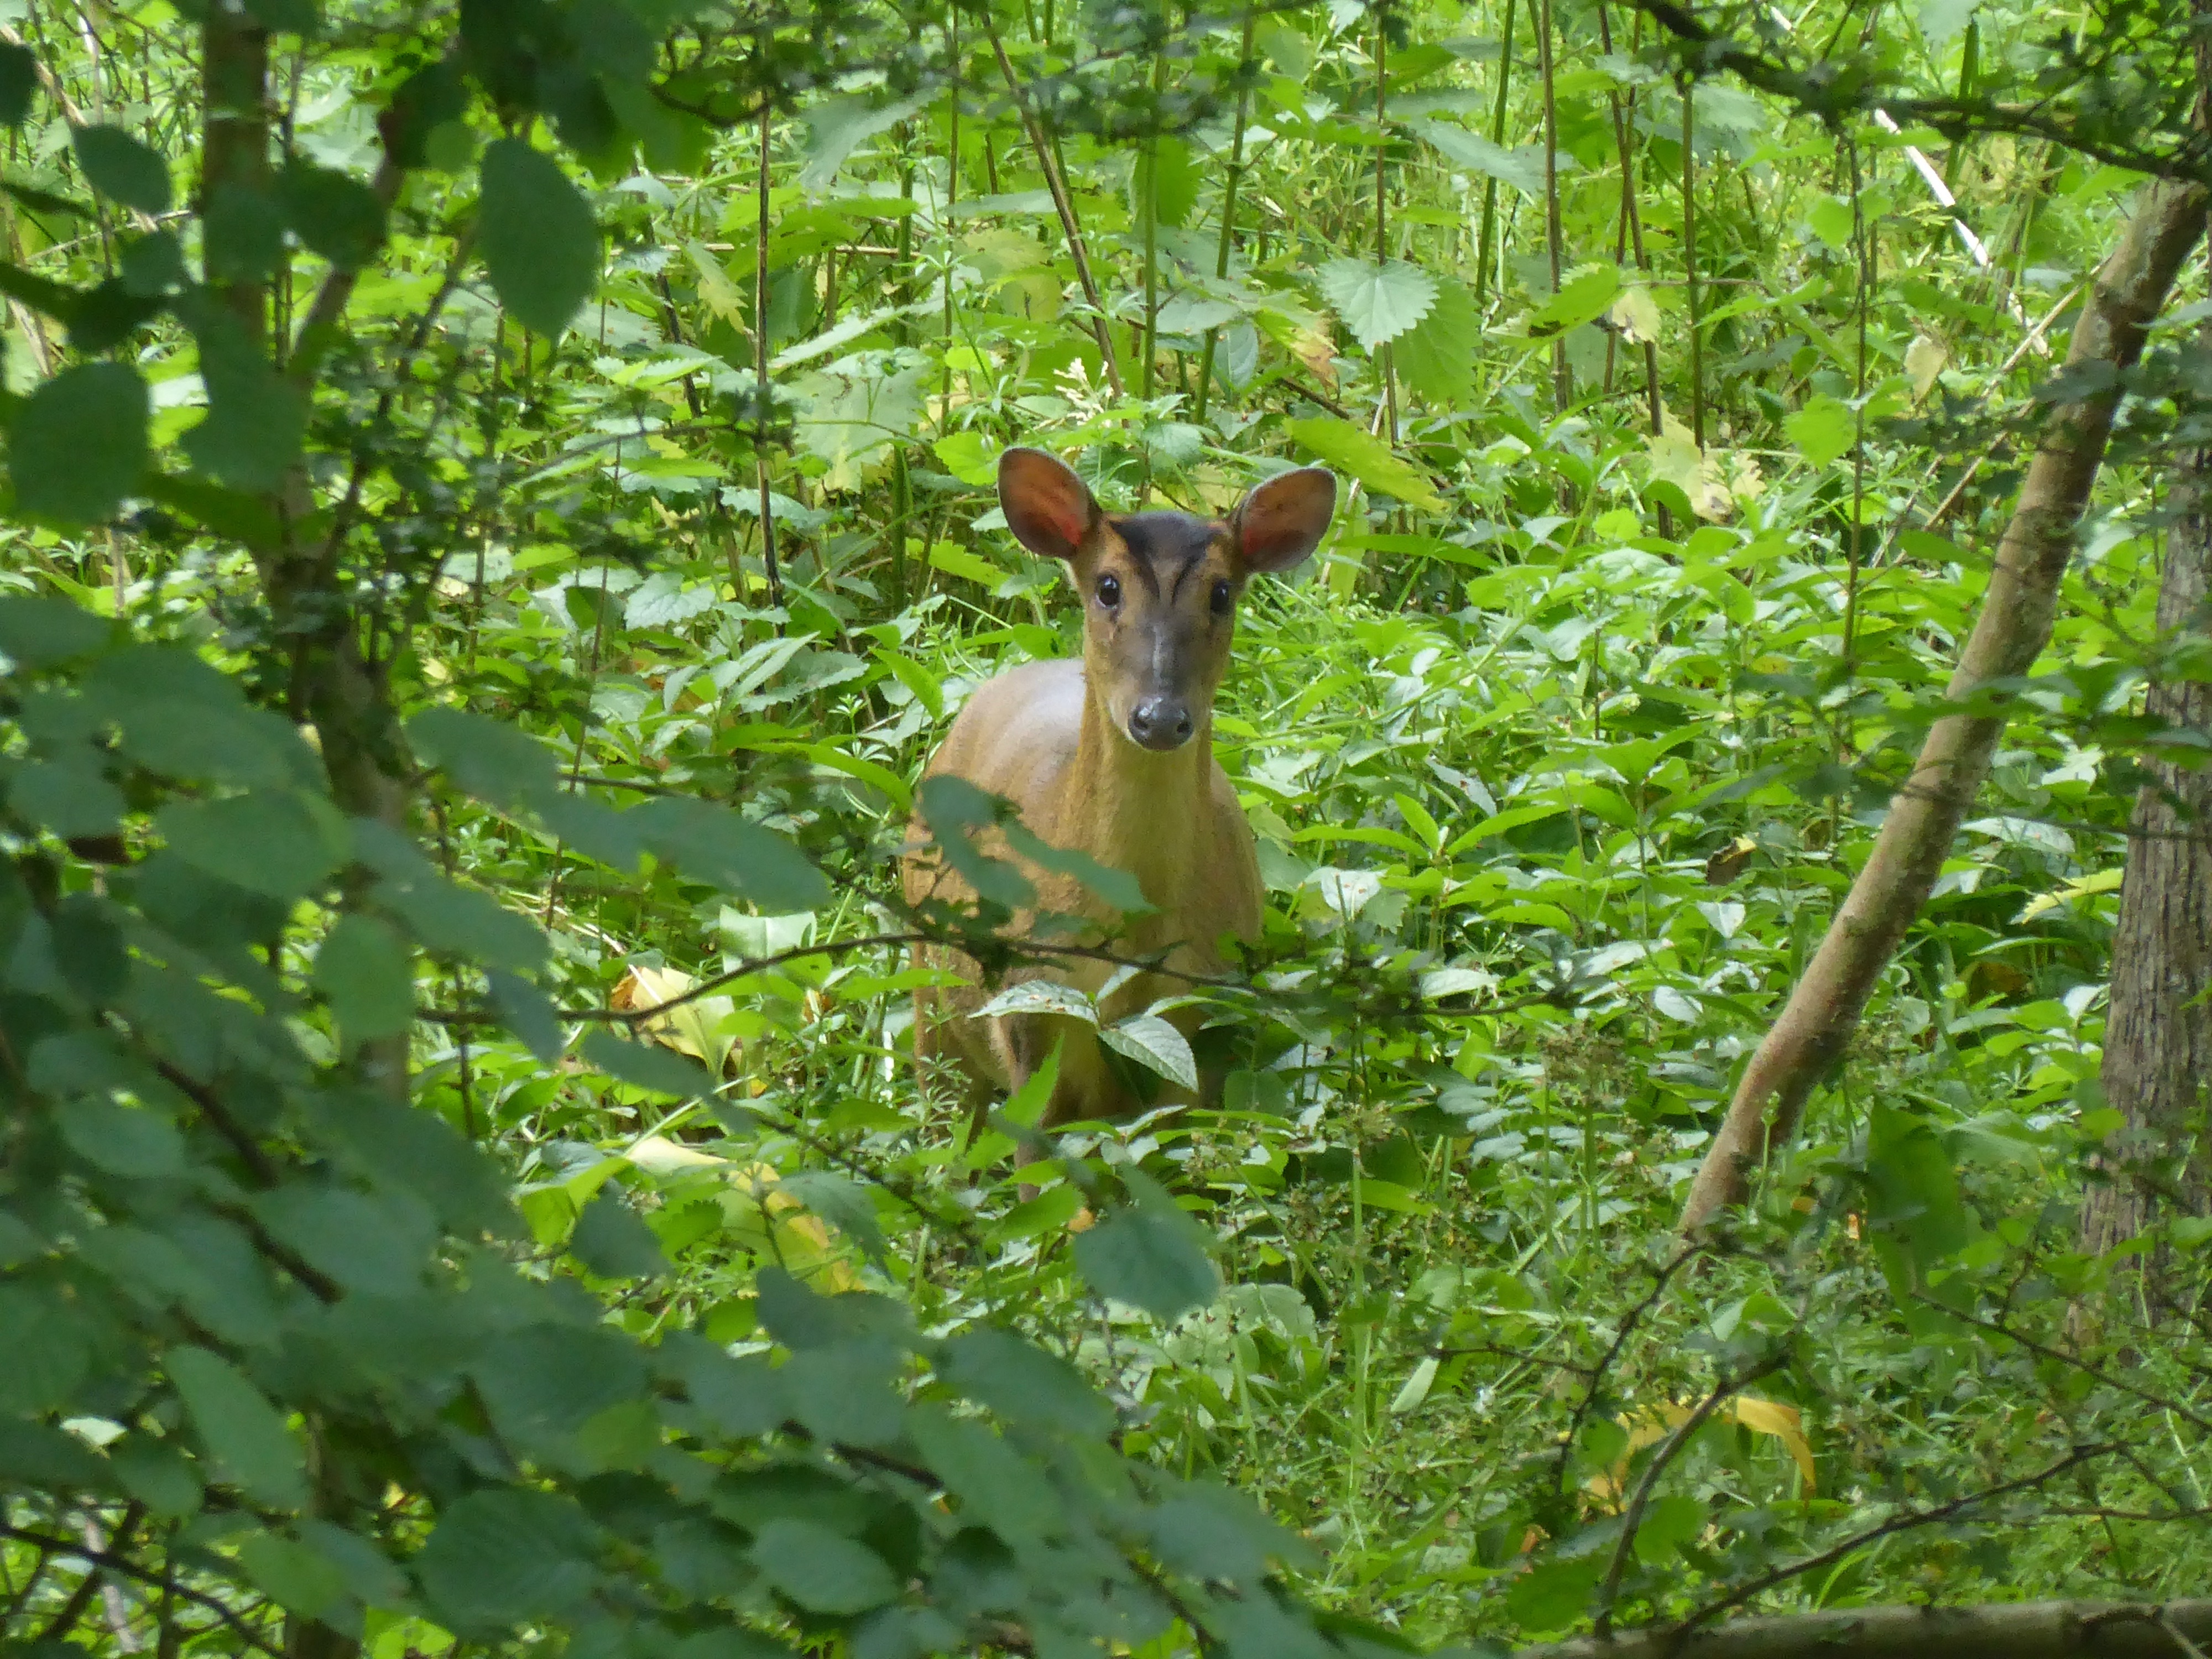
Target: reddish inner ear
1048,507
1281,522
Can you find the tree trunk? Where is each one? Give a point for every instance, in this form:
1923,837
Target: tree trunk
2157,1040
1808,1038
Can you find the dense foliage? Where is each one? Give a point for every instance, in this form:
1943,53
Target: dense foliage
500,514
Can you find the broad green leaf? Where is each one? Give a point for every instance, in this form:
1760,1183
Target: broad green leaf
1437,358
240,1429
1584,295
121,168
1023,1384
19,80
367,973
611,1241
333,213
507,1555
35,631
1366,458
125,1141
48,1356
821,1570
662,1071
544,1383
1151,1041
157,1473
290,1574
256,418
835,127
969,457
71,797
78,445
1522,168
1379,303
1822,430
843,1203
539,240
1149,1254
280,843
716,845
493,761
955,560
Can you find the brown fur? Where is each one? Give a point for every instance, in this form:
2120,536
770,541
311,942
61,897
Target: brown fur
1054,738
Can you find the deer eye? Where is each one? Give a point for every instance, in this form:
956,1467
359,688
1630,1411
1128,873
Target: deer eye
1223,597
1109,592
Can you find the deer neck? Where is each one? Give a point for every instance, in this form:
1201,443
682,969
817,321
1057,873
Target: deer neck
1134,809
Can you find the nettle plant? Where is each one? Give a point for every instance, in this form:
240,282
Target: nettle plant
287,1370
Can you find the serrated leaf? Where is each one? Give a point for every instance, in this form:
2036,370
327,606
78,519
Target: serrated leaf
1636,314
1822,430
19,79
1437,358
733,853
333,213
1377,302
1149,1254
1151,1041
269,842
78,445
241,1431
1583,296
502,1556
122,169
365,969
1522,168
821,1570
539,240
255,419
835,127
48,1355
1023,1384
1366,458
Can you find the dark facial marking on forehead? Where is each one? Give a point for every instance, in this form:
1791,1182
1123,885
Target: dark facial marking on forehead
1166,547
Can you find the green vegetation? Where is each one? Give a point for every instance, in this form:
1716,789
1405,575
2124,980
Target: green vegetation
498,515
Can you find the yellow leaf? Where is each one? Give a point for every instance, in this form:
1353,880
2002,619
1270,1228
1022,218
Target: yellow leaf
1924,360
2103,881
1636,314
1785,1423
699,1027
1655,1422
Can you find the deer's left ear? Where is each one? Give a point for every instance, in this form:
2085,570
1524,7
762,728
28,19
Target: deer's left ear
1279,524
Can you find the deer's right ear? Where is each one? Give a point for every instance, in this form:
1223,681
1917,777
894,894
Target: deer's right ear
1048,507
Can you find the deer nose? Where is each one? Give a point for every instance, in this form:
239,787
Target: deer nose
1161,723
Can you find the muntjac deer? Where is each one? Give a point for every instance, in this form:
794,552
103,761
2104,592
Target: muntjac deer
1113,755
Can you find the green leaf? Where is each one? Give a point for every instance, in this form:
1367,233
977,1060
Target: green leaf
1438,359
334,214
48,1354
1023,1384
843,1203
489,759
366,970
1151,1041
36,631
19,79
544,1383
1584,295
157,1473
663,1071
280,843
255,419
1522,168
125,1141
123,169
717,845
612,1243
290,1574
1150,1255
835,127
79,444
1379,303
505,1555
70,797
1823,430
540,242
1366,458
821,1570
969,457
240,1429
